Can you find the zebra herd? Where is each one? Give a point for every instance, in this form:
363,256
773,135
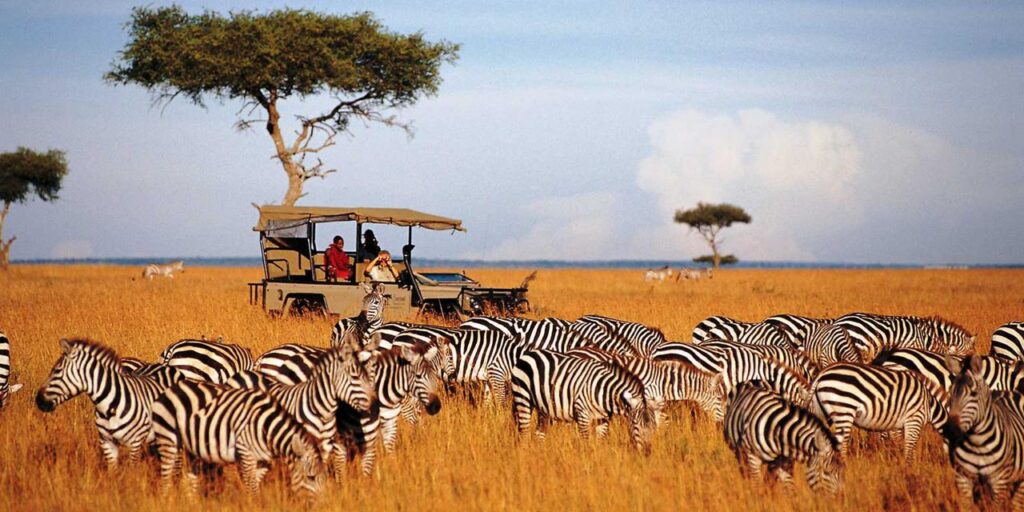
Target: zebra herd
787,390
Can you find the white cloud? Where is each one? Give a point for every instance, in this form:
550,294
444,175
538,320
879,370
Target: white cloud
579,227
789,175
72,249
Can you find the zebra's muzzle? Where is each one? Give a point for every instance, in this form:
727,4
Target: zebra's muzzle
434,405
42,403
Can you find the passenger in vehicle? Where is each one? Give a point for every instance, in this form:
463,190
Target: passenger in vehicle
336,261
381,269
371,248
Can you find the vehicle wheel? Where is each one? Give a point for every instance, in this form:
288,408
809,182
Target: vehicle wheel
306,307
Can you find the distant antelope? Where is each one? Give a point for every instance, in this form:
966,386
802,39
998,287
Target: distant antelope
695,274
659,274
167,270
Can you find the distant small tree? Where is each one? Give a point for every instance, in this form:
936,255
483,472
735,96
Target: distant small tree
725,259
265,59
24,173
708,220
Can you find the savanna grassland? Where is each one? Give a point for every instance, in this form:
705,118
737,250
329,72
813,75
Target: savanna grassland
467,457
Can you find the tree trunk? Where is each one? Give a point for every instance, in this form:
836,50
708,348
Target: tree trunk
5,247
716,259
295,181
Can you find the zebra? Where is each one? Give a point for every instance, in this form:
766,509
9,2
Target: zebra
985,435
828,344
744,364
206,360
399,371
703,358
762,428
339,376
948,337
1008,342
794,359
167,270
643,340
568,388
765,334
221,425
719,327
659,274
936,368
873,333
796,327
675,381
122,400
878,399
506,326
370,317
289,363
6,388
486,357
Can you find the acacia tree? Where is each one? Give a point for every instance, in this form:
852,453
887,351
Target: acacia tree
24,173
264,59
708,220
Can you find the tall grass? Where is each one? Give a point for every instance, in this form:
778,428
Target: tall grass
467,457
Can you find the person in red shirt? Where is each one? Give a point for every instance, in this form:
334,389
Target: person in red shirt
336,261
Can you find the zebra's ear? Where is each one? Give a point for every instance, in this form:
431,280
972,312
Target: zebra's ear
363,356
954,365
430,353
409,355
976,365
65,345
15,388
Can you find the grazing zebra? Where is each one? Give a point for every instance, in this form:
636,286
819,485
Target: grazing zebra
674,381
291,362
794,359
1008,342
719,328
339,376
744,364
935,367
762,428
122,400
167,270
208,361
399,372
486,357
796,327
765,334
6,388
703,358
220,425
369,319
567,388
642,339
828,344
878,399
659,274
985,435
872,333
948,337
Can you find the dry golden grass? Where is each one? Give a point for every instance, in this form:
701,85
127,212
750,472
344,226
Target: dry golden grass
466,457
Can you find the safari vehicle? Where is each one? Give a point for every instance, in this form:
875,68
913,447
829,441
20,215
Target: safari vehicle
295,278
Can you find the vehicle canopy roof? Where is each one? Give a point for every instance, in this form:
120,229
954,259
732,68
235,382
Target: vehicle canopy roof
274,217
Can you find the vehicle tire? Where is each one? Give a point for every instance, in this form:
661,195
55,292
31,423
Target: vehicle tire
305,306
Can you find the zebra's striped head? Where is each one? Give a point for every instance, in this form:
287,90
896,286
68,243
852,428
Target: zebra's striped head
948,337
307,471
643,418
969,396
426,362
374,303
825,469
80,364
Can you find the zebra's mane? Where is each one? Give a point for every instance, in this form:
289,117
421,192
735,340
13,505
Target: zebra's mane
622,372
796,374
101,352
937,322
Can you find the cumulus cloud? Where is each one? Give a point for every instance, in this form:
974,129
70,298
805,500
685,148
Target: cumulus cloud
788,175
580,227
72,249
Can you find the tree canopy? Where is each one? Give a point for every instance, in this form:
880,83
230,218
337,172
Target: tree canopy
708,220
25,173
263,58
723,259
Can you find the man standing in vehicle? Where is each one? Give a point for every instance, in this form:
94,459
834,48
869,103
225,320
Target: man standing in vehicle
336,261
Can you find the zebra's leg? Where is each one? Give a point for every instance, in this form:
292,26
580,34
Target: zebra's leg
389,430
170,461
192,476
543,421
842,425
488,399
371,431
1017,498
965,485
497,383
911,434
783,471
135,451
753,465
601,427
339,460
522,413
584,423
109,449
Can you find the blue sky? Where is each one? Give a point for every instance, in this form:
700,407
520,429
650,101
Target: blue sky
881,132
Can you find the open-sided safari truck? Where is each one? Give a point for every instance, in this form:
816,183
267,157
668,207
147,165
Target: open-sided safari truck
295,277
